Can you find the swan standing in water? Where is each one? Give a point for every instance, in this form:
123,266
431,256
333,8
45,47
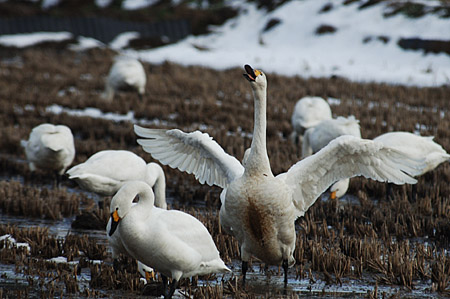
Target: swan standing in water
317,137
308,112
420,147
174,243
106,171
258,208
50,147
125,73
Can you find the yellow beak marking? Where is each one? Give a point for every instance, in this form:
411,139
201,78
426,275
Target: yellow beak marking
115,216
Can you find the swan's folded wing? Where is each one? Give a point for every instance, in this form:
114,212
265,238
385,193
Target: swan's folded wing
346,157
195,153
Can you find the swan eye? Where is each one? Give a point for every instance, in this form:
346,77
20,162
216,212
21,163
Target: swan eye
257,73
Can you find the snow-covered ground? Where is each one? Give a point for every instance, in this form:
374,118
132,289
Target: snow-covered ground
363,47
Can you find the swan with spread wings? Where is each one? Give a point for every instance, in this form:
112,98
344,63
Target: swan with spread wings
259,208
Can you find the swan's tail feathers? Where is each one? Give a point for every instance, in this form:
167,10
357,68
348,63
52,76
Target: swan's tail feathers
216,266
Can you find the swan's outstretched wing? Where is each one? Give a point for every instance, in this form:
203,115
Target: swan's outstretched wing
195,153
346,157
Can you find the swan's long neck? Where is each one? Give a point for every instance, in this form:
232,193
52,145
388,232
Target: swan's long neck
146,200
258,160
158,182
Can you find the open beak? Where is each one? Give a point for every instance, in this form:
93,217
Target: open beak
115,219
333,195
251,73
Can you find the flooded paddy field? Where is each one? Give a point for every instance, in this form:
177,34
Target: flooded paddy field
53,240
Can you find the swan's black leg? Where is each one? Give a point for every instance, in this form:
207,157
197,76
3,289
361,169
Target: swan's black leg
173,287
285,267
414,193
244,271
116,265
164,281
388,191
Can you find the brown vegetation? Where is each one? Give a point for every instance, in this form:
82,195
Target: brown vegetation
394,242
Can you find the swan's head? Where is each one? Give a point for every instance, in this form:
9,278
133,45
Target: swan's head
339,188
121,202
255,77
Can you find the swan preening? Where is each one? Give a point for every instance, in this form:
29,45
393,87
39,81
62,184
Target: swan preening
106,171
125,73
319,135
174,243
308,112
258,208
50,147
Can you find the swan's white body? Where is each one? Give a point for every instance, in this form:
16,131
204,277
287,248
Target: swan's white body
125,73
420,147
50,147
118,248
106,171
258,208
317,137
172,242
308,112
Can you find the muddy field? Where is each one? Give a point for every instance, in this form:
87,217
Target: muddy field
362,246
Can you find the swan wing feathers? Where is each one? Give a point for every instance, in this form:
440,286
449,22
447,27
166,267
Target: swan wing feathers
346,157
195,153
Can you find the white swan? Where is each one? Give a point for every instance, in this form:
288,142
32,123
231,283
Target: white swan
258,208
174,243
118,248
50,147
106,171
308,112
420,147
317,137
125,73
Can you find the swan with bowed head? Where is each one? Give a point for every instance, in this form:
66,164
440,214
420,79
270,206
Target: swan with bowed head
106,171
173,243
50,147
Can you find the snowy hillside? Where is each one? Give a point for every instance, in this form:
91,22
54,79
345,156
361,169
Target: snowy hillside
363,47
362,40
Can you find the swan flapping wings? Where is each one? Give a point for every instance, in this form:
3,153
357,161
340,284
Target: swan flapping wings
346,157
195,153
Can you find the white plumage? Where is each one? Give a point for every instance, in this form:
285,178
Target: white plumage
308,112
258,208
317,137
50,147
419,147
172,242
106,171
125,73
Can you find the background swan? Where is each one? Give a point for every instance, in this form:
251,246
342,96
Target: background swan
317,137
258,208
420,147
106,171
174,243
125,73
50,147
308,112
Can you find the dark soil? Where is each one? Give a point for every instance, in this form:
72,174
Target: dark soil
333,242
